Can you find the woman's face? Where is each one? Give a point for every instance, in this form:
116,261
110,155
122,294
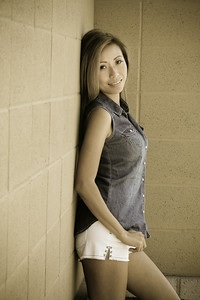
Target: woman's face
113,71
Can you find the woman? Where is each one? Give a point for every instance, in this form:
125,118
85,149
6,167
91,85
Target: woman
110,229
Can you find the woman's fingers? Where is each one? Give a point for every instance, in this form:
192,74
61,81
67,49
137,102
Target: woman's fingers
139,242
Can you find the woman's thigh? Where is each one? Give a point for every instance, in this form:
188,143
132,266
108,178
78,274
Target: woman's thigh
146,281
105,279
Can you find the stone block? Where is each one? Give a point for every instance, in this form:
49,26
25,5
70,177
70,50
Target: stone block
168,116
133,101
173,207
175,252
54,293
64,285
18,228
70,278
3,292
68,291
22,64
71,122
54,194
6,8
43,13
52,256
40,136
65,121
174,281
4,137
17,284
68,110
132,86
168,25
85,17
72,67
173,162
38,209
64,241
58,65
190,288
127,14
23,11
42,64
68,169
20,145
57,138
59,17
72,18
36,282
3,238
170,70
66,236
5,56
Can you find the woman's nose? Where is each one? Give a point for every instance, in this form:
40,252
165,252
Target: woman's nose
113,72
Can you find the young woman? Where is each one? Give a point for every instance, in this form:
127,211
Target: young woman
110,228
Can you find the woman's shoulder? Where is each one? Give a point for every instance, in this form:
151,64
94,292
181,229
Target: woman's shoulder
98,104
94,104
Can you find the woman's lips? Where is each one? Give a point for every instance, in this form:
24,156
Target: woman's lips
115,83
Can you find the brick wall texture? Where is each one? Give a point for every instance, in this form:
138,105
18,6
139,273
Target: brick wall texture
39,113
163,89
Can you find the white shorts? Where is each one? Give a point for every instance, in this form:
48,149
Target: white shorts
97,242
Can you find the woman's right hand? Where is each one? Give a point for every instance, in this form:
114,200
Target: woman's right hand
135,239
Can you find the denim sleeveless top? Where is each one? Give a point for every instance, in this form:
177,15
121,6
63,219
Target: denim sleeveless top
121,173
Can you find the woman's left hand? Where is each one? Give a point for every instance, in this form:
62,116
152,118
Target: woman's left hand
142,245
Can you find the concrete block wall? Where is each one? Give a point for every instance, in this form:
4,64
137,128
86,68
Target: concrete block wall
39,113
163,91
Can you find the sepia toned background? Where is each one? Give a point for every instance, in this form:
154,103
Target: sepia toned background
39,114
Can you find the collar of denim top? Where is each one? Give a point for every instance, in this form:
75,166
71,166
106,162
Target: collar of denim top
119,110
109,103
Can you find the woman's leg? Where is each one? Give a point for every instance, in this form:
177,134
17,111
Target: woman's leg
146,281
105,279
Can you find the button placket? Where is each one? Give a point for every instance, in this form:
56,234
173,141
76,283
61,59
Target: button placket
108,252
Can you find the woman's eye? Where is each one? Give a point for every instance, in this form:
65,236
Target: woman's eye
119,61
102,67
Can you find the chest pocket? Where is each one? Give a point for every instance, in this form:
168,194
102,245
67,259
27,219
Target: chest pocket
130,131
134,138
